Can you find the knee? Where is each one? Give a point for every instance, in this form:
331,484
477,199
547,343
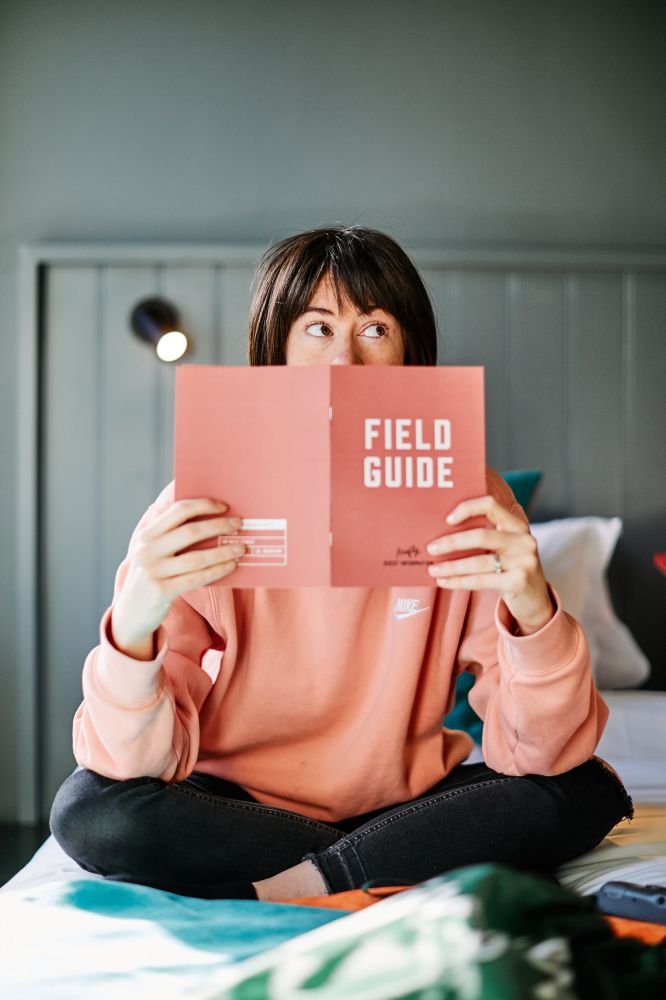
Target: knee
92,817
606,795
595,800
596,788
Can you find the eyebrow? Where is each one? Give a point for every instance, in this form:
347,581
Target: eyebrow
331,313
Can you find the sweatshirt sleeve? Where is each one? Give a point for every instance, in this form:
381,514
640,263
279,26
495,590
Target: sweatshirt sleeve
542,712
141,717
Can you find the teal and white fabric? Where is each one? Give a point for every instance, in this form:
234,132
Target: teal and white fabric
103,940
479,933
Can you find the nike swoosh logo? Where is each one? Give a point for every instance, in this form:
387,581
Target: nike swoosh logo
408,614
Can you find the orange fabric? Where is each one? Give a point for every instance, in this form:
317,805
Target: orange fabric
359,899
352,899
641,929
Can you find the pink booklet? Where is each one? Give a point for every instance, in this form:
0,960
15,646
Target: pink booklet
342,474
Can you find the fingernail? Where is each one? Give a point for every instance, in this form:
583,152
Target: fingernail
236,522
432,549
222,506
452,518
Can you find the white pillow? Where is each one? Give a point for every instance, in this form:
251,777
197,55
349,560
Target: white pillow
575,553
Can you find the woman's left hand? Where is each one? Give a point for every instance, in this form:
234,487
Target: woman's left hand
511,565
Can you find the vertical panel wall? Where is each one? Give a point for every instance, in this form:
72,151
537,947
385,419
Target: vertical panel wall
68,564
595,394
107,415
575,374
641,597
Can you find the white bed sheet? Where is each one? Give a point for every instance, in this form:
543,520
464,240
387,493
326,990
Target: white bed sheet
633,743
634,851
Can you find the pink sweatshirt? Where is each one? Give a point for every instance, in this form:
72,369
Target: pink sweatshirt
329,701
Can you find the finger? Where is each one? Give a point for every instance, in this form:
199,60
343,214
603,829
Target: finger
181,511
466,567
200,578
191,533
472,538
192,561
508,582
490,508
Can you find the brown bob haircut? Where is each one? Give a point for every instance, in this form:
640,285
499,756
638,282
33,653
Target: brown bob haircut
362,264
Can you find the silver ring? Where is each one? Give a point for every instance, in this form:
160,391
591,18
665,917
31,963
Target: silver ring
498,564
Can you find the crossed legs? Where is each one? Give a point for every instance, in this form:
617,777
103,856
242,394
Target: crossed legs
207,837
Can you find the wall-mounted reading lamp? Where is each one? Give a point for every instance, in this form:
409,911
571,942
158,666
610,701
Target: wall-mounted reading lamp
157,322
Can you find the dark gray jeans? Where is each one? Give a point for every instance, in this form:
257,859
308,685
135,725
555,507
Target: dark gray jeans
193,836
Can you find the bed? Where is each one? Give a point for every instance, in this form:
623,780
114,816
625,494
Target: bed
100,939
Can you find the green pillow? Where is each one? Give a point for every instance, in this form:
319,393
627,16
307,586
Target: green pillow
523,483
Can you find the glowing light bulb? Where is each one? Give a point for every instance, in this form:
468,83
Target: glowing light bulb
171,346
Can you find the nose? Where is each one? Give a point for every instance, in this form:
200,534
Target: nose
348,355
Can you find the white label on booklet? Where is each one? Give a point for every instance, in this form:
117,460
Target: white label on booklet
266,541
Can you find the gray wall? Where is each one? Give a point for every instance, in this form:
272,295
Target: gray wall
495,123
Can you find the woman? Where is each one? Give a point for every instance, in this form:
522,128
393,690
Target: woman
316,760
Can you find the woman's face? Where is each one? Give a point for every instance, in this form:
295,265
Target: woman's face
326,335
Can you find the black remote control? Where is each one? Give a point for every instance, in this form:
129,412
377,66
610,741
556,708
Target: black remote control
638,902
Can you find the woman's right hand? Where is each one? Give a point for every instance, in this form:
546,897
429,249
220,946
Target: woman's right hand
157,574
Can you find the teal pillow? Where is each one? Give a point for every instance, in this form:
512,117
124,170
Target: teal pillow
462,715
523,483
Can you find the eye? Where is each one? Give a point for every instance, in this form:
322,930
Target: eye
312,328
381,327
